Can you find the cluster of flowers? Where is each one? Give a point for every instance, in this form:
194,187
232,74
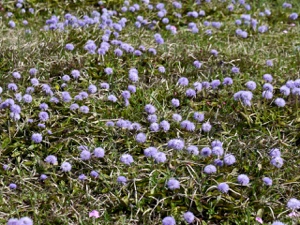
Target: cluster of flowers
289,87
23,221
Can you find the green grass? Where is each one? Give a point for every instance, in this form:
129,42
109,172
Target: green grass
247,132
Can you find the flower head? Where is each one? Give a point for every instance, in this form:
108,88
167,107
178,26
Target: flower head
25,221
37,138
94,214
173,184
169,220
293,204
51,159
243,179
229,159
267,181
189,217
209,169
223,187
126,159
141,138
176,144
66,167
121,180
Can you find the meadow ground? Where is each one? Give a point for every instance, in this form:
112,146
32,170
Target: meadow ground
144,111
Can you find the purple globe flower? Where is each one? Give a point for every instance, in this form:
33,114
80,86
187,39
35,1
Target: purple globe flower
141,138
121,180
183,81
135,126
94,174
227,81
108,71
223,187
25,221
131,88
187,125
74,107
110,124
173,184
12,186
197,64
278,223
198,116
164,125
66,167
251,85
215,84
216,143
126,159
85,155
104,86
12,221
235,70
176,117
192,149
16,75
243,179
197,86
210,169
269,62
160,157
66,97
285,90
206,127
286,5
169,220
293,16
92,89
112,98
275,152
206,151
161,69
44,116
150,109
277,162
268,78
229,159
267,94
262,29
37,138
43,177
176,144
293,204
189,217
190,93
267,181
126,94
27,98
175,102
214,52
12,86
69,47
152,118
99,152
280,102
150,152
218,151
51,159
205,84
84,109
75,74
33,71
